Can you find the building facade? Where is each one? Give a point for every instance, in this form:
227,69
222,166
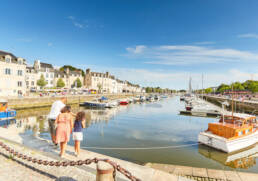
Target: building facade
69,77
47,70
12,75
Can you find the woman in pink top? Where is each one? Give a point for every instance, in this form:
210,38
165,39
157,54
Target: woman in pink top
64,128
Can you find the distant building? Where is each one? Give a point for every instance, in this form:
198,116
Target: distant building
31,78
69,77
47,70
12,74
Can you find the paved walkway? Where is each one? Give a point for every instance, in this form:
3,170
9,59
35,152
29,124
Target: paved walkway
42,149
15,169
204,174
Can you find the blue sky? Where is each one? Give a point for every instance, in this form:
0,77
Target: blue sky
149,42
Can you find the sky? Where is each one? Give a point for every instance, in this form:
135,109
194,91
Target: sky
148,42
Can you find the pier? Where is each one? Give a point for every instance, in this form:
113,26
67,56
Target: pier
247,106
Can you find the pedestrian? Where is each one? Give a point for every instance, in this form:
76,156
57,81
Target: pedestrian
56,108
79,124
64,124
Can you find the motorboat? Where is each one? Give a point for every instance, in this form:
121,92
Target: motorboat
124,102
111,104
5,112
233,132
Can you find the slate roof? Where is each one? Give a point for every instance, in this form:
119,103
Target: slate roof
3,53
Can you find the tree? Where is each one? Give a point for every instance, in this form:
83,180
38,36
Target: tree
237,86
223,87
41,82
60,83
71,68
77,83
99,87
208,90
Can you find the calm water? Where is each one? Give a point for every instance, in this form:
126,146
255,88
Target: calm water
147,125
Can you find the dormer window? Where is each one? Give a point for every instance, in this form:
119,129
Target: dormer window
8,60
20,61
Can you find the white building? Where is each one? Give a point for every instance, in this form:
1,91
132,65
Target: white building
12,75
47,70
31,78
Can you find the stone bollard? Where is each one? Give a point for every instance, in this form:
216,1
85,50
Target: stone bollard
104,172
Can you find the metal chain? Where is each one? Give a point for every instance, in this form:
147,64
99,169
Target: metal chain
70,163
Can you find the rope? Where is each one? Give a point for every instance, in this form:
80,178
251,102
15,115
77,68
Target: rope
138,148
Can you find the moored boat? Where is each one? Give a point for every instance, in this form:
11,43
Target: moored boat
6,113
124,102
231,133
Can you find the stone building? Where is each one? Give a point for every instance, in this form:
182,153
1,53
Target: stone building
102,82
12,75
69,77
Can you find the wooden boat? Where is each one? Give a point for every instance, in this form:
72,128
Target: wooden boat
231,133
6,113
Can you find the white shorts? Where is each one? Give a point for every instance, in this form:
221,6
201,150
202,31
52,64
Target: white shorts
77,136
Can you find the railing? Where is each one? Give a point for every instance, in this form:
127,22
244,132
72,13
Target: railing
100,170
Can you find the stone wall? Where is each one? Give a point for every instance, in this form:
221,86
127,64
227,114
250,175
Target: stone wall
36,102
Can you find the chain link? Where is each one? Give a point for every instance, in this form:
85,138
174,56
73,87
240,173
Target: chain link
70,163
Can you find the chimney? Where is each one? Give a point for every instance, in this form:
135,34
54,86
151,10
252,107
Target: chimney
87,71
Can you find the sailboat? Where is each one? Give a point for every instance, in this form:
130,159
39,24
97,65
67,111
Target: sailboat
233,132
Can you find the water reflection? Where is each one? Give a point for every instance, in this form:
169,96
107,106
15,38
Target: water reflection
243,159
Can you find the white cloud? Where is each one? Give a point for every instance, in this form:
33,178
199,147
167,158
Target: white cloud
189,55
24,40
137,50
180,79
71,17
76,23
248,35
205,43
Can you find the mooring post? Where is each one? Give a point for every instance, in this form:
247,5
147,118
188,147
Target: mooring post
104,172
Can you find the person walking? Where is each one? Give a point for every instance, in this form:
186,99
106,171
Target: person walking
79,124
56,108
64,124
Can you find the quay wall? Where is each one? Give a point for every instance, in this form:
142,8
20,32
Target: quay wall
38,102
239,106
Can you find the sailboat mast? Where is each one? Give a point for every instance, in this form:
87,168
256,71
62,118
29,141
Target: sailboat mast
232,101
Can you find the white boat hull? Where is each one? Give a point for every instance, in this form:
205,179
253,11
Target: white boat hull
226,145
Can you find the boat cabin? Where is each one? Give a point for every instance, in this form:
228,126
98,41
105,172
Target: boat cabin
3,105
232,127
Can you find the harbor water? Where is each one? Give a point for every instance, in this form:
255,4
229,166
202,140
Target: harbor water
146,132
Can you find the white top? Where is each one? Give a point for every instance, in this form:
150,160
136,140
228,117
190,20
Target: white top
56,108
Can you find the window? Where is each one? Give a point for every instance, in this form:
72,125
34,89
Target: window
27,83
47,75
51,75
8,71
8,60
19,83
20,62
19,72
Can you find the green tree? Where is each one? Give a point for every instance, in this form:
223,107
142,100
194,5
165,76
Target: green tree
77,83
223,87
60,83
71,68
237,86
208,90
41,82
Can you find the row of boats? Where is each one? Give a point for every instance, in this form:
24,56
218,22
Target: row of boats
233,131
104,102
